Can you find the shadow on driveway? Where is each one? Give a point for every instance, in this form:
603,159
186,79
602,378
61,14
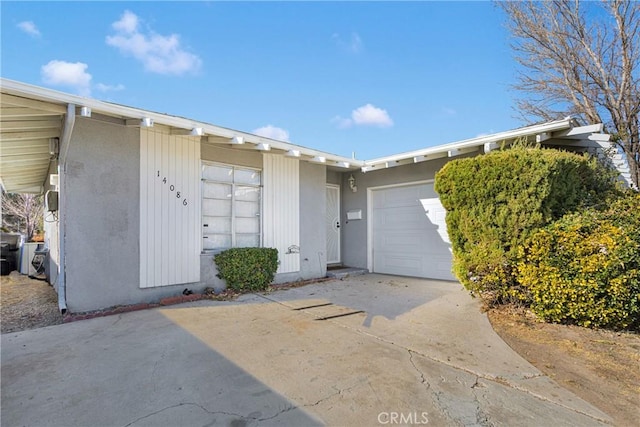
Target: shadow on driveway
409,347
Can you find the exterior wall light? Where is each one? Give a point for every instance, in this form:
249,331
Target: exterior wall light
352,183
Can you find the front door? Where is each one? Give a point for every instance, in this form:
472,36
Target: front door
333,224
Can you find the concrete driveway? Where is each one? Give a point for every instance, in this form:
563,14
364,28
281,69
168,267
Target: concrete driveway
369,350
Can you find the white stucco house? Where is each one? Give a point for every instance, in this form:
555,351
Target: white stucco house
140,201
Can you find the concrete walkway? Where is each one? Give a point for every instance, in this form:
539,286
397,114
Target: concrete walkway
368,350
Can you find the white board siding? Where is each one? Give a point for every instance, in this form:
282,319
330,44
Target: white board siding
281,209
169,228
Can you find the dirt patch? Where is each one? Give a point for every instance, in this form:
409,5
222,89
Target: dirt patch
27,304
601,367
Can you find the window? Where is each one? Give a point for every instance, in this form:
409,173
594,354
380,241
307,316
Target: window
231,200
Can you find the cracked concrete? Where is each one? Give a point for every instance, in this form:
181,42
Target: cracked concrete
419,348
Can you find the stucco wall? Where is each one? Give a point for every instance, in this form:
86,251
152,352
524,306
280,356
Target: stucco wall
354,233
103,220
102,190
102,216
334,177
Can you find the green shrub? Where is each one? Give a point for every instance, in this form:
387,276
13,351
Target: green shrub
585,268
496,201
247,269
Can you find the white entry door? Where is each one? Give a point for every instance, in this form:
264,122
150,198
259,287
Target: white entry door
409,232
333,224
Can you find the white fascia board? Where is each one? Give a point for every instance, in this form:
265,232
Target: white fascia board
11,87
474,142
579,131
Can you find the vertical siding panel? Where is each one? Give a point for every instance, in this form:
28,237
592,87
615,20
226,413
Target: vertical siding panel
171,211
194,209
154,256
169,231
179,236
180,210
282,209
157,211
143,208
150,229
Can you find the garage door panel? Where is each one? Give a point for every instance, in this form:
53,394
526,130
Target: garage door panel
401,242
402,196
409,233
400,217
400,265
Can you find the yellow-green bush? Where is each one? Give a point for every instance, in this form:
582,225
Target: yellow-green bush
496,201
585,268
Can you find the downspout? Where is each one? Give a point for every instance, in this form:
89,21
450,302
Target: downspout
69,123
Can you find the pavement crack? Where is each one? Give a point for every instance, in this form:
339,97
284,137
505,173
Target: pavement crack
423,380
338,392
230,414
494,379
277,414
482,418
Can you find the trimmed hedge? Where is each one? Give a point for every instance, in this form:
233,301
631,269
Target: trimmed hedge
247,269
585,268
496,201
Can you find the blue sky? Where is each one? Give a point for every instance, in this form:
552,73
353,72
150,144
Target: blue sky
374,78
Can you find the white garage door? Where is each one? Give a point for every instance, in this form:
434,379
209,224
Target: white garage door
409,233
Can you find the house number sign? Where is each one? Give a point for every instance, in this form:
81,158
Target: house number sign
172,188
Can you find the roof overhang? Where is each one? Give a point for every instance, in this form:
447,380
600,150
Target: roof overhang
566,132
32,118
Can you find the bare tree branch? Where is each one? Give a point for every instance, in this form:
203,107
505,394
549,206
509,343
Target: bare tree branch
22,213
581,62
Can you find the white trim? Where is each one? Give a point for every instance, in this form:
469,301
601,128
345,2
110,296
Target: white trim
464,145
370,191
39,96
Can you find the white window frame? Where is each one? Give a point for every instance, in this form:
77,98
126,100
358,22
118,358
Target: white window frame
233,199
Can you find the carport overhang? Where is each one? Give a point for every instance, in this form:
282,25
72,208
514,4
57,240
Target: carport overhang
36,125
566,133
30,130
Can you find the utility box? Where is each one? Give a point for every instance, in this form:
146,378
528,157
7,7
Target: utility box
51,201
27,253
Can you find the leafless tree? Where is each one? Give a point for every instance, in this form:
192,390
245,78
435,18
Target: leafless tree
22,213
584,59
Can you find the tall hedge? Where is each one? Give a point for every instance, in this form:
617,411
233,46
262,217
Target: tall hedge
585,268
494,202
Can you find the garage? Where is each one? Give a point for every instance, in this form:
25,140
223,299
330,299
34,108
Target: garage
409,233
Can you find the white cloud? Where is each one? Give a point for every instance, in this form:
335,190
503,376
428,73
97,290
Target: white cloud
272,132
30,28
109,88
367,115
353,44
341,122
159,54
70,74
